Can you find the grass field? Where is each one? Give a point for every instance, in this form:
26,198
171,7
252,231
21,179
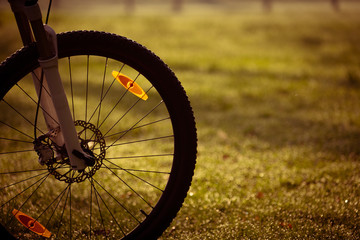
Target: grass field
277,103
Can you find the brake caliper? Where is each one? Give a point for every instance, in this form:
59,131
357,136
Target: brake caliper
43,146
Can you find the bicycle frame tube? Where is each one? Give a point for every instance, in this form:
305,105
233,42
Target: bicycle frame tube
55,105
50,116
21,21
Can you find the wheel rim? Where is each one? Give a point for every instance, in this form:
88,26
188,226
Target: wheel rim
95,185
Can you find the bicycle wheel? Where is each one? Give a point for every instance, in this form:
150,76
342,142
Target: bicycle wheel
131,115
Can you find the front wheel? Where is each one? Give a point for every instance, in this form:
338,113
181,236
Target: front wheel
131,115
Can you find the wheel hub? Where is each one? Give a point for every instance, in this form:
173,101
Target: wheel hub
91,142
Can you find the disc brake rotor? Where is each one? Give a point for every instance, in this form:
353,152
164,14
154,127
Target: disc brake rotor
92,143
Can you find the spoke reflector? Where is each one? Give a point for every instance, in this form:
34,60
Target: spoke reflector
31,224
130,85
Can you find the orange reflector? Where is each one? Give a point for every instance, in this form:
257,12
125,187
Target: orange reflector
130,85
31,223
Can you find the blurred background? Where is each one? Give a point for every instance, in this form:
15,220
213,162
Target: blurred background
275,87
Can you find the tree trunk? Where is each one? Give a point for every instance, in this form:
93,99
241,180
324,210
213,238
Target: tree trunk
130,6
178,5
267,5
335,4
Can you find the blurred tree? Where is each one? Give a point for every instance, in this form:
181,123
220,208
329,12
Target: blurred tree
130,6
336,5
267,5
56,3
177,5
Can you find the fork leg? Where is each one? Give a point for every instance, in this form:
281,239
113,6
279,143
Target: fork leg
46,42
17,6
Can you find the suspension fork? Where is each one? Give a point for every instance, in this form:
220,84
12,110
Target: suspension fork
55,105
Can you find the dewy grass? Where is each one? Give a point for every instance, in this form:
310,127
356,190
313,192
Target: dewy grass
276,98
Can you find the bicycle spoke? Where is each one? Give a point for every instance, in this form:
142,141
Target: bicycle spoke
91,193
17,130
141,179
106,93
106,206
131,188
26,120
127,111
117,103
39,80
31,170
15,140
137,127
99,208
49,205
57,205
34,101
87,88
19,151
136,170
21,192
139,141
146,115
15,183
40,182
27,199
71,88
102,92
70,225
142,156
143,140
63,210
117,201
